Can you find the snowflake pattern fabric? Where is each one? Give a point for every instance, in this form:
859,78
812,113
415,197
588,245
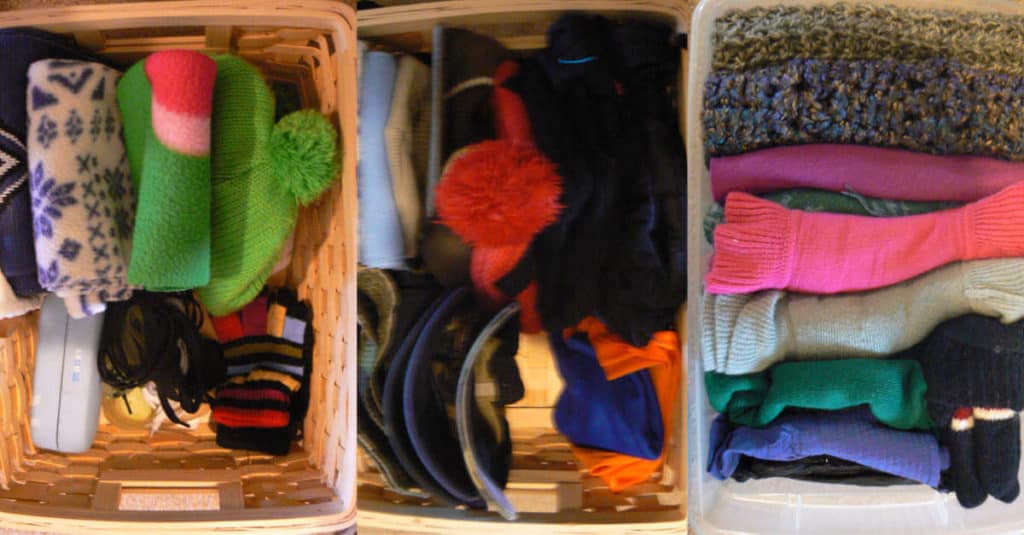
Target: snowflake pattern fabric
83,203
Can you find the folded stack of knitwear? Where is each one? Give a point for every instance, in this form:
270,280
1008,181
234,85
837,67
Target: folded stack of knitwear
864,298
174,176
268,357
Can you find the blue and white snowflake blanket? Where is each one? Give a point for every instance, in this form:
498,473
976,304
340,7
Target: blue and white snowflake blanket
83,204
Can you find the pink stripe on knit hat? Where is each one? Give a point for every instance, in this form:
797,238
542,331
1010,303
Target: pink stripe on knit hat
182,83
187,134
872,171
762,245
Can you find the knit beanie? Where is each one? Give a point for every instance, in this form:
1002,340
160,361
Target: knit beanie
887,173
593,411
744,333
837,202
262,173
83,201
893,389
975,371
497,195
764,246
166,102
378,305
489,381
467,70
21,47
407,134
396,423
429,392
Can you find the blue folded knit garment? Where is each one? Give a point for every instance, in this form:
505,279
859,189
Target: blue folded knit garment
853,435
621,415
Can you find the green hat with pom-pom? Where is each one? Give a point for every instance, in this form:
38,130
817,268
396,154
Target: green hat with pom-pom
261,172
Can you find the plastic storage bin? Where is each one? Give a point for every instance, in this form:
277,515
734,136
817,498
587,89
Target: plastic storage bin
656,507
779,505
197,486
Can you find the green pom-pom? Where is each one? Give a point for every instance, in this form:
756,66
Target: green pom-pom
304,154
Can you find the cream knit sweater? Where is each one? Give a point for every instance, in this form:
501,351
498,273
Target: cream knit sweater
745,333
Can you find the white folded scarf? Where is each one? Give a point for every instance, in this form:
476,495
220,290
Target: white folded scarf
746,333
83,203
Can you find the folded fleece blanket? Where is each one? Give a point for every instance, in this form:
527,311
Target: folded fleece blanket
83,202
21,46
853,435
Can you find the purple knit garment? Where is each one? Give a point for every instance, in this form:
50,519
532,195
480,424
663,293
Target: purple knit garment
873,171
853,435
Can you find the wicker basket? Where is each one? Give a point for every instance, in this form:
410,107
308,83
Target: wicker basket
179,480
539,452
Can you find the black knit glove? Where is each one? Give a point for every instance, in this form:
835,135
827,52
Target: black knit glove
974,367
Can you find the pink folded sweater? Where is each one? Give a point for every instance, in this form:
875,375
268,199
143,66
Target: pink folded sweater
762,245
872,171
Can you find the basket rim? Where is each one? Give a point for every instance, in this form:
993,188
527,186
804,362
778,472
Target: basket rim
415,519
332,17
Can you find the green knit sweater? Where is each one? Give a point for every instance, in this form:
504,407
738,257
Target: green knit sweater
893,389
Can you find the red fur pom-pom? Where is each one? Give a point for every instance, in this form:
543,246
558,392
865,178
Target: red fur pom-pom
499,193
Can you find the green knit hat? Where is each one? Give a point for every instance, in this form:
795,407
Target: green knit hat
165,101
262,172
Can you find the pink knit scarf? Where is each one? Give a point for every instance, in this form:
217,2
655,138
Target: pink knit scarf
762,245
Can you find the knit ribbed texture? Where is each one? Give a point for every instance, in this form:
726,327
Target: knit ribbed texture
975,377
893,389
975,361
844,202
751,38
171,241
410,103
744,333
257,189
936,106
880,172
765,246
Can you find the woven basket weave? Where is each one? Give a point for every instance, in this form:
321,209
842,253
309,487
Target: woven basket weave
658,506
179,480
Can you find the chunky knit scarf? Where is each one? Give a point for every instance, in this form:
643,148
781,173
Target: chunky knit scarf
763,36
938,106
